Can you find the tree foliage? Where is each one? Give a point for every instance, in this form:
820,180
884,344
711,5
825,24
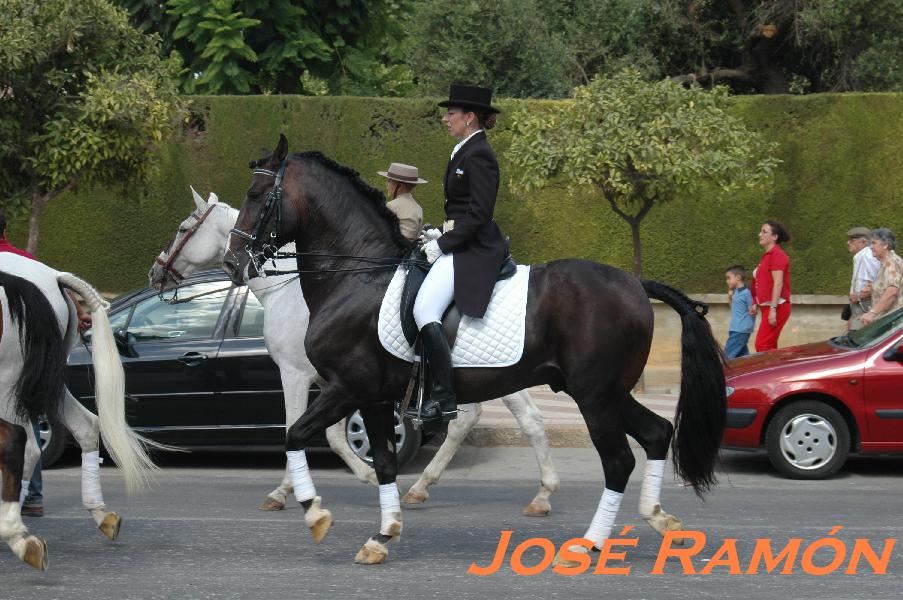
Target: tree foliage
639,144
283,46
84,98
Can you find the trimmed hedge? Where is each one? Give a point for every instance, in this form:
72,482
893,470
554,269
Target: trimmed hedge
842,167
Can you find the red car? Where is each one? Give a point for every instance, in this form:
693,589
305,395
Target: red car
810,406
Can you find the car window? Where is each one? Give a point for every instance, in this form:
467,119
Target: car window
154,320
877,331
251,318
117,321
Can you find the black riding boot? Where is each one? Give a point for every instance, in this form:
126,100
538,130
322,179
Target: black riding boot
441,404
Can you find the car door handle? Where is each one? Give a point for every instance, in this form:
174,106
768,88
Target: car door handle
192,359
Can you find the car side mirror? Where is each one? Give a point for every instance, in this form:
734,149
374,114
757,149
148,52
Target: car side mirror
895,353
122,343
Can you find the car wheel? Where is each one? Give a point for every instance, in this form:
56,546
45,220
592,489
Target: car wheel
407,439
808,440
53,440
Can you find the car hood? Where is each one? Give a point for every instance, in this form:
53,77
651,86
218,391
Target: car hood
783,357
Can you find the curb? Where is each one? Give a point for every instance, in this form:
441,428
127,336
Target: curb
504,435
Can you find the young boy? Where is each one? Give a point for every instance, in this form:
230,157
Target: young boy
741,321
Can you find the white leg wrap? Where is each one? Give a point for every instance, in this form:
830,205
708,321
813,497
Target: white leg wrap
651,492
24,492
92,496
301,481
12,530
600,529
390,510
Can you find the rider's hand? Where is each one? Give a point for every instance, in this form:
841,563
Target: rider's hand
429,235
433,251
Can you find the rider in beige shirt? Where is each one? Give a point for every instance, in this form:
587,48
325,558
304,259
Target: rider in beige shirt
400,181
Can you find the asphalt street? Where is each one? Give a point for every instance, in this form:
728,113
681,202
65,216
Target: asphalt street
197,533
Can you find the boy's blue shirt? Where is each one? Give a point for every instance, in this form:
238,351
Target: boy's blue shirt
741,320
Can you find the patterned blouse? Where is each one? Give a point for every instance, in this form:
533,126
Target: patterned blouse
890,274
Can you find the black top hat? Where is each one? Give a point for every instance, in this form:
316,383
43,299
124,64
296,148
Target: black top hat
471,97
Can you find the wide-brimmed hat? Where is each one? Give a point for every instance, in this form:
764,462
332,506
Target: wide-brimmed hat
403,173
470,97
859,232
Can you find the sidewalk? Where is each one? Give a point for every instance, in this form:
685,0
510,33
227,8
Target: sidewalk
563,421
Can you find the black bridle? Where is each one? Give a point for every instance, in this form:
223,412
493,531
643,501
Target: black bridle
269,250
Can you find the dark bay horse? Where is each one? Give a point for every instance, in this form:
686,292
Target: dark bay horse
588,333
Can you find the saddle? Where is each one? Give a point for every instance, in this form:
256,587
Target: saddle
418,268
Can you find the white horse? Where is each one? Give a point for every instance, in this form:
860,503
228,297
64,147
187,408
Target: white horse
39,329
199,244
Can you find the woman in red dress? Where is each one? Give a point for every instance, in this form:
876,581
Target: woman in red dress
771,288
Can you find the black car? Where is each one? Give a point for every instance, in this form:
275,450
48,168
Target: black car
198,373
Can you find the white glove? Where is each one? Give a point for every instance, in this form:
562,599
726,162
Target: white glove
430,234
433,251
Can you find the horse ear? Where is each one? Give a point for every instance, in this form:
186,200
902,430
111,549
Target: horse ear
212,198
198,201
281,149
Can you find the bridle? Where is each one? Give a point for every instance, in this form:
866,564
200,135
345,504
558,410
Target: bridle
272,202
171,256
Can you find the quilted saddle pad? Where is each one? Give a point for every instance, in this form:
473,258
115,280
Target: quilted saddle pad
496,340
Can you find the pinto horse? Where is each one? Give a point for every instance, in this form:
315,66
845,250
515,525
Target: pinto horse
588,333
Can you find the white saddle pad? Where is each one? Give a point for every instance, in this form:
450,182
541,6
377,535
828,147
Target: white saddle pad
496,340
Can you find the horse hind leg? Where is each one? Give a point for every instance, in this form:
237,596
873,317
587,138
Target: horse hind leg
30,549
529,417
85,428
654,434
457,432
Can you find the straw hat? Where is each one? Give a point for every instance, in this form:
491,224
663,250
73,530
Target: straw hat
403,173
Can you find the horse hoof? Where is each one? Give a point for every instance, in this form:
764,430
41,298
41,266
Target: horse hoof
36,553
663,522
394,531
371,553
567,563
318,519
415,497
536,509
271,504
110,525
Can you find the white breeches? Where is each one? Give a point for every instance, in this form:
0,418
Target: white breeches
436,293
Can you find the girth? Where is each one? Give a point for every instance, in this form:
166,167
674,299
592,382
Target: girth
417,269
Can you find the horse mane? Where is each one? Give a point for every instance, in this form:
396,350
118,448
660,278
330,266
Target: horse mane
369,192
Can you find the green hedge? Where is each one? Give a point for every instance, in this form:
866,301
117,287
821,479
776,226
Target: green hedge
842,166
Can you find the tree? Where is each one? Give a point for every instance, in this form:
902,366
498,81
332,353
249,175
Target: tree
781,46
639,144
84,98
283,46
508,45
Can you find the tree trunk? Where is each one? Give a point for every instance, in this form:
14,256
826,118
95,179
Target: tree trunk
38,201
637,248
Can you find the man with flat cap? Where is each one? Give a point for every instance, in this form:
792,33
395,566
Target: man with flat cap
865,268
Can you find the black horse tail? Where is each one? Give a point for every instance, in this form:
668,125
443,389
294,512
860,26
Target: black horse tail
39,389
702,405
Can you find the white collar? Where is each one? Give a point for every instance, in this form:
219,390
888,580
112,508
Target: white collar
462,142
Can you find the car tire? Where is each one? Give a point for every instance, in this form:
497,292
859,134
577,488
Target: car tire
808,440
54,440
407,439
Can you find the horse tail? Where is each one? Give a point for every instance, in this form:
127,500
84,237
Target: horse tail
126,448
39,388
702,405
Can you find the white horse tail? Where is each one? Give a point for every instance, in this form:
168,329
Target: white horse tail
126,448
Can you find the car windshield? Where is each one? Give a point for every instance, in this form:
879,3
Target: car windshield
872,334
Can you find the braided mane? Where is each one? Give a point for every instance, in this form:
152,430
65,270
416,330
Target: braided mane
369,192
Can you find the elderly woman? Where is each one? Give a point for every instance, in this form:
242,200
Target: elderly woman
401,179
887,292
470,250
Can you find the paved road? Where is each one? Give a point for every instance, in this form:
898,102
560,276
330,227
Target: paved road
197,534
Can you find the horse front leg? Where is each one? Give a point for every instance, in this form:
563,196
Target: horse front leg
529,417
30,549
332,405
379,420
85,428
457,432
